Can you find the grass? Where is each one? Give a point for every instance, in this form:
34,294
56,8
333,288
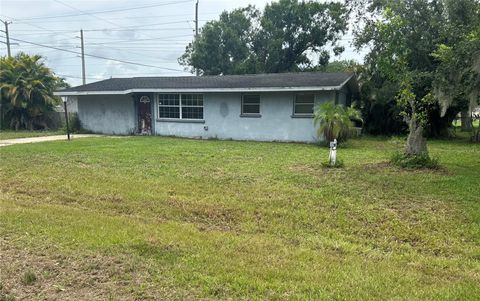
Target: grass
10,134
29,278
152,217
458,123
402,160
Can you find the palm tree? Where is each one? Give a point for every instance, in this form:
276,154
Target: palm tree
26,91
334,121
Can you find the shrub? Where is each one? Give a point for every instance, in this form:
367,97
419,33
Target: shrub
29,278
414,162
335,121
74,125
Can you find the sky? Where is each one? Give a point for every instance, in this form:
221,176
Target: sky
153,33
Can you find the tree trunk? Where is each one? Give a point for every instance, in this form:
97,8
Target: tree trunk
416,142
466,119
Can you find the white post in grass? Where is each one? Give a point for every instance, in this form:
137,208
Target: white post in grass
332,157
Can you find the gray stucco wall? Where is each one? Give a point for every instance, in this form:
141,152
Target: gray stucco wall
223,121
107,114
72,104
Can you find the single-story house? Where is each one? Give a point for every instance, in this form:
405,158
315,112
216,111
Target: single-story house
266,107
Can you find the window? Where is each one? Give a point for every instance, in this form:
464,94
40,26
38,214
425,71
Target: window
251,105
304,104
180,106
169,106
192,106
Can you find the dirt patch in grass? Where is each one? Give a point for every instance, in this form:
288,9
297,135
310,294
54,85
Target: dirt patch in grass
319,170
387,166
316,169
47,275
208,217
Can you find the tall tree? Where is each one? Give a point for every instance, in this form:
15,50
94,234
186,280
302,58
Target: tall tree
403,35
457,77
289,35
223,46
26,91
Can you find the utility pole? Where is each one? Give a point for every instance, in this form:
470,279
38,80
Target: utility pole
196,29
7,37
83,58
9,55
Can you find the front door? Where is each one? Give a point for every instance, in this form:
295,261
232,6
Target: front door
144,115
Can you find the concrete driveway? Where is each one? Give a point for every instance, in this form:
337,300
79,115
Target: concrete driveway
43,139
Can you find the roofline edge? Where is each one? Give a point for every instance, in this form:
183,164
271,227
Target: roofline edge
189,90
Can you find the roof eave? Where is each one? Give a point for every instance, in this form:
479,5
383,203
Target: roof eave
202,90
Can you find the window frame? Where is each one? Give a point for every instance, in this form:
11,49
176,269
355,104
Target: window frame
162,105
303,115
180,106
243,114
191,106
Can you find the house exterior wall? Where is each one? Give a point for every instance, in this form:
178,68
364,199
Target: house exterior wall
222,119
72,104
116,114
107,114
342,96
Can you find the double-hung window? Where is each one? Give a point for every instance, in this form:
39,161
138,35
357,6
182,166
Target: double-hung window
303,105
180,106
250,105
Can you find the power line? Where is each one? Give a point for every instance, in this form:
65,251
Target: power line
136,40
138,29
119,27
123,18
42,28
86,13
164,60
108,11
75,76
98,56
139,26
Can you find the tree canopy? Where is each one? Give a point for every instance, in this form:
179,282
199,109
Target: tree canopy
426,51
26,91
287,35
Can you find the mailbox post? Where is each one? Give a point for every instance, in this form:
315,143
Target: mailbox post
332,157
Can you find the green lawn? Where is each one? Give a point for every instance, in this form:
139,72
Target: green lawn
150,217
458,123
9,134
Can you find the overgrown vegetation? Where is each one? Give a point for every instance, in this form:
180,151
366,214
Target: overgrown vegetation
414,161
74,124
178,219
26,92
431,69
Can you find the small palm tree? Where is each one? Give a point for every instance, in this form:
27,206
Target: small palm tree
26,90
334,121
